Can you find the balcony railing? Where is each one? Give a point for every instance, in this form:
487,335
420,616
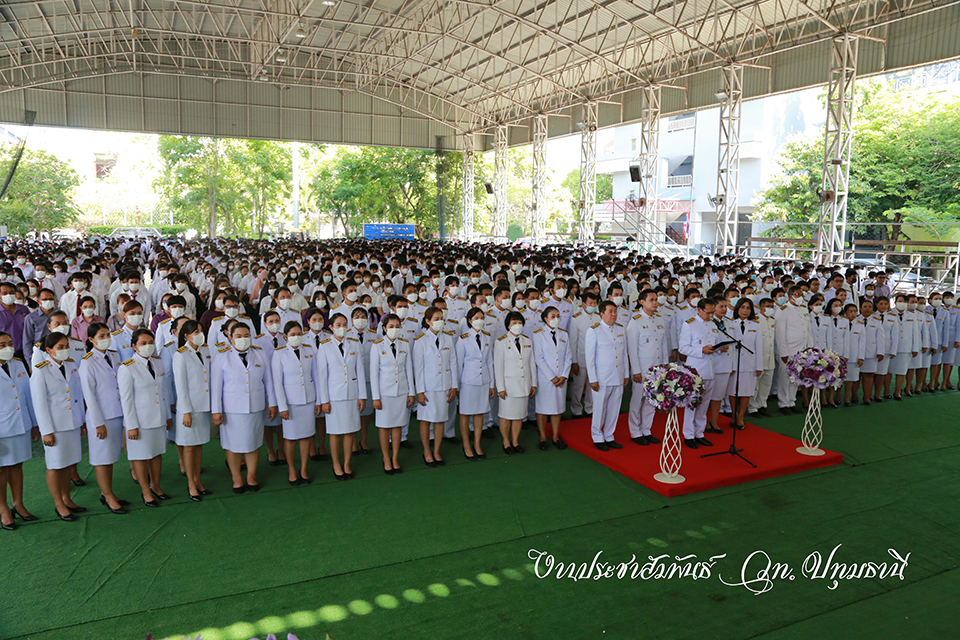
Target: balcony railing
679,181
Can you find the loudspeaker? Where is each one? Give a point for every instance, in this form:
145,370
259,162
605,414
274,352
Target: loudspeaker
489,187
635,172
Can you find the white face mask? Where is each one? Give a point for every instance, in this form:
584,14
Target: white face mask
590,310
422,295
146,350
516,329
836,310
242,344
437,326
453,289
87,312
436,282
769,312
901,306
912,306
197,339
393,333
62,354
41,275
63,329
103,345
662,299
560,293
402,312
936,303
134,320
534,304
817,308
284,304
32,291
316,326
321,304
477,323
360,324
352,296
553,323
6,353
273,327
9,299
475,280
176,312
339,331
521,304
181,286
271,292
411,297
387,290
218,304
295,341
161,274
134,287
231,312
79,286
617,300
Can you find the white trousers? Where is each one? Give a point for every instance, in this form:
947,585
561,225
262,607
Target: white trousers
695,421
642,411
580,389
786,391
764,382
605,414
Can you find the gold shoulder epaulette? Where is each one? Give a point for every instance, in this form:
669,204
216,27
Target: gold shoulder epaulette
637,317
595,326
538,330
20,359
87,356
577,314
76,339
503,337
156,357
258,337
253,346
128,362
283,346
244,317
618,325
462,299
418,336
182,349
353,339
689,320
168,344
464,335
568,300
378,341
222,350
326,341
486,333
166,320
449,333
41,365
404,339
115,333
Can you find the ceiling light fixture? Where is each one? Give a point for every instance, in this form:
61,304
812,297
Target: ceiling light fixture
301,33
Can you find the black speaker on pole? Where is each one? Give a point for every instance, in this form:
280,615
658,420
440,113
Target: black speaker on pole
489,187
635,172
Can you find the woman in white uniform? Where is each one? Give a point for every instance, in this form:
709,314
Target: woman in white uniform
873,349
146,413
746,328
891,335
838,338
818,336
17,426
269,341
104,416
315,322
241,396
58,406
476,384
855,355
294,366
191,377
392,389
435,376
908,347
551,348
722,368
516,376
341,391
361,330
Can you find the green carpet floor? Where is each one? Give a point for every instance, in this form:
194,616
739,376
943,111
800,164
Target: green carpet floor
443,553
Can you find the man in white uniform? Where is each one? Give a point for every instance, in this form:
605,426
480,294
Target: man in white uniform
606,355
792,332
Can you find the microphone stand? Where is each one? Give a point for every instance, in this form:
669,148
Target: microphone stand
733,450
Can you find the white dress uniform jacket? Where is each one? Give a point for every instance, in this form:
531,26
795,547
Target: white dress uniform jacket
239,389
293,377
57,401
143,396
16,404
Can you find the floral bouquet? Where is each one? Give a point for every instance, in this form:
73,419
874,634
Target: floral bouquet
672,386
818,368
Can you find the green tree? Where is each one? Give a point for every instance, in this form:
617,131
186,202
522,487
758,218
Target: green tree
40,195
905,167
194,180
264,175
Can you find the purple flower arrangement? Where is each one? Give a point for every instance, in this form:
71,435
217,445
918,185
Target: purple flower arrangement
817,368
673,386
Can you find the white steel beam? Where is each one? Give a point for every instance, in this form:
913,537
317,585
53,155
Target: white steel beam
466,228
728,166
648,161
588,171
538,206
500,184
837,147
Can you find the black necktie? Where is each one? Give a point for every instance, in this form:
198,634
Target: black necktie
274,342
817,318
393,348
199,357
360,335
296,352
107,358
6,369
150,369
553,334
934,313
479,348
341,349
438,343
243,357
743,328
881,317
834,322
518,344
63,370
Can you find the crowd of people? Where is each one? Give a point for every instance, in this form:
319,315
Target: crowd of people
134,345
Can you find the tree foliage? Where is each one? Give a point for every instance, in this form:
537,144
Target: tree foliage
40,195
905,168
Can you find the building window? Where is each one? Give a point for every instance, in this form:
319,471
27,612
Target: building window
633,144
104,164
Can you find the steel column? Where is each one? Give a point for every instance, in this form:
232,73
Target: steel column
538,205
728,165
466,227
500,184
648,161
588,171
837,147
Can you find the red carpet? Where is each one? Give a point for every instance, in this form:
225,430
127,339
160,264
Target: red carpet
774,455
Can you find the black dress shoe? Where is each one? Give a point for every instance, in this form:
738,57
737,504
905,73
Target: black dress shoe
898,398
151,503
77,509
196,498
78,483
704,442
319,457
339,476
471,458
12,526
253,487
713,429
508,450
389,472
518,449
366,452
429,464
306,480
559,443
640,440
405,444
203,493
68,518
159,496
613,444
183,473
652,439
16,514
294,483
276,463
239,490
786,411
103,501
543,445
440,462
890,397
603,446
587,415
799,409
740,427
691,443
763,411
397,470
480,456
